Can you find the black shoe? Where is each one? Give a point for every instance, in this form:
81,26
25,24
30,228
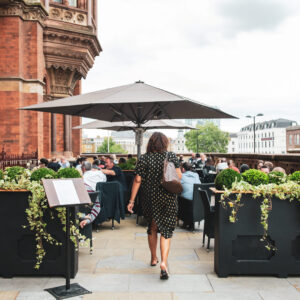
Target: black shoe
164,275
154,265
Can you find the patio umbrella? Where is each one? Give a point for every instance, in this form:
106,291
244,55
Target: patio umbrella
128,125
137,102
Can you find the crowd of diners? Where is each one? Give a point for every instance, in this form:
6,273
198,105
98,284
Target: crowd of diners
197,169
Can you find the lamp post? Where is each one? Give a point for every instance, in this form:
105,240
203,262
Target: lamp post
258,115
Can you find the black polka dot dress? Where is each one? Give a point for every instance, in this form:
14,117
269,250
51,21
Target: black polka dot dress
158,204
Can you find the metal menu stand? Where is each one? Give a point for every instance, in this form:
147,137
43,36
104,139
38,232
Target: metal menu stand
66,193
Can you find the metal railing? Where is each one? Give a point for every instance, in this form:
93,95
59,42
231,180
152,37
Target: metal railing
10,160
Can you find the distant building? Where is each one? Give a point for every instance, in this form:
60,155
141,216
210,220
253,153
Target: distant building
233,143
270,137
293,139
88,145
177,145
126,139
195,122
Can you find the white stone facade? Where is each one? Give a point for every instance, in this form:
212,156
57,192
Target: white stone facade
270,137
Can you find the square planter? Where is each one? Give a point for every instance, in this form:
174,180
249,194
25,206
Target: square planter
238,249
18,245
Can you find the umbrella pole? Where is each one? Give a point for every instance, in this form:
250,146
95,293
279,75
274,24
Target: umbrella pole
139,140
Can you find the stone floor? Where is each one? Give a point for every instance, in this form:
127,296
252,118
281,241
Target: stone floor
119,269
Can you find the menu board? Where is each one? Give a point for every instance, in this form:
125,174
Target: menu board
66,192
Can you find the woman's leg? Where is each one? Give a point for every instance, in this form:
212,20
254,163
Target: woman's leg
164,250
152,241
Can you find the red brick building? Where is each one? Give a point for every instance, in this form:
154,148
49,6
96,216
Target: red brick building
46,48
293,139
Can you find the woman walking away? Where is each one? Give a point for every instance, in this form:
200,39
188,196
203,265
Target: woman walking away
159,205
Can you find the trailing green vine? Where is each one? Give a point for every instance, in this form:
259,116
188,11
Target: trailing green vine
289,190
14,179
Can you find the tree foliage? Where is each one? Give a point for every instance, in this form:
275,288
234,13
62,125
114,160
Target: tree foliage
210,139
113,147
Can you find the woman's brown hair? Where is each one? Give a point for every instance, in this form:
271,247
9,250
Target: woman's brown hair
158,142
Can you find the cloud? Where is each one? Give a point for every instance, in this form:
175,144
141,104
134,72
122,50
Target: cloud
248,15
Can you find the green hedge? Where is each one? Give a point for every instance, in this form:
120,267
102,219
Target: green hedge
38,174
226,178
255,177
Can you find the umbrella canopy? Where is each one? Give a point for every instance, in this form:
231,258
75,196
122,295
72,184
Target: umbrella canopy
138,102
124,126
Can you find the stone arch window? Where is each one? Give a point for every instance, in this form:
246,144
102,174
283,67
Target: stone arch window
72,3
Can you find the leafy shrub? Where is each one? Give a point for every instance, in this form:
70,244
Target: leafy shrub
255,177
127,166
131,161
13,173
277,177
38,174
295,176
68,173
226,178
1,174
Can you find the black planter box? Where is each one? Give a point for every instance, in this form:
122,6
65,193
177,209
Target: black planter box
238,249
18,246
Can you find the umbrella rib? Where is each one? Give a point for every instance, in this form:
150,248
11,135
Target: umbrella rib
78,112
152,108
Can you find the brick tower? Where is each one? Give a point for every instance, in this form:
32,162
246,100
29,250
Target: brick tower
46,47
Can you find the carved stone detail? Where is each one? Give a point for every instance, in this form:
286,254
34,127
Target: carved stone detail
68,15
62,81
28,12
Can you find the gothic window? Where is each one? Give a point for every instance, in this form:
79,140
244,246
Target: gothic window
72,3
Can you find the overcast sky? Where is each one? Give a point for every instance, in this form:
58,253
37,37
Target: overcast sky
239,55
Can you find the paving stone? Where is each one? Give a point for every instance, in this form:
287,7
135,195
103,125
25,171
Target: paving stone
291,294
217,296
176,283
39,296
123,264
104,282
246,283
190,267
9,295
175,254
203,255
129,296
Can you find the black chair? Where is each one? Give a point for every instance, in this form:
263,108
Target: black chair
87,230
206,187
191,211
209,219
111,202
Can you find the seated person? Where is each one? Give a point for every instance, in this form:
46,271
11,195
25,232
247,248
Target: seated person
193,159
209,170
114,173
92,176
122,160
64,163
279,169
201,161
181,160
244,168
96,164
188,180
265,169
102,162
54,165
233,166
222,165
269,165
90,179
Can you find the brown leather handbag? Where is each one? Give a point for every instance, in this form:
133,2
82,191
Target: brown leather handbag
170,180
